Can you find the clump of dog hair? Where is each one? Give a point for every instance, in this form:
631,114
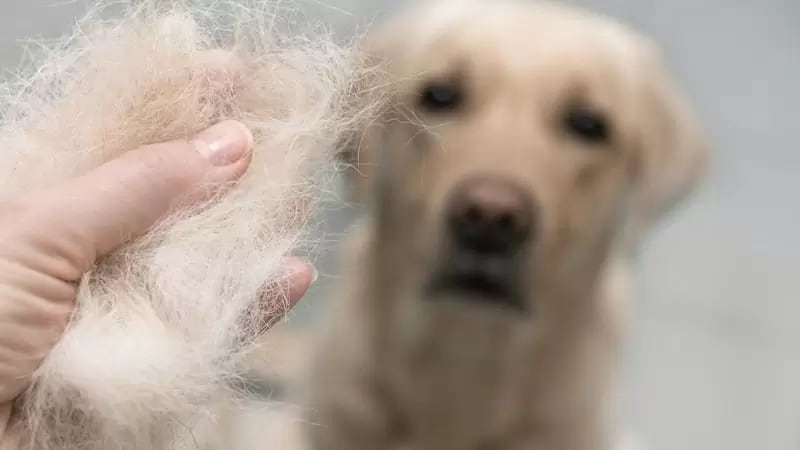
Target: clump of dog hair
164,326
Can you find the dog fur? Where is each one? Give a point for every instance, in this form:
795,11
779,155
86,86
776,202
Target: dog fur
166,327
397,370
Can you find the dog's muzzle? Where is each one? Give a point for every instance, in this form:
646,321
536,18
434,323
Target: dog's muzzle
489,225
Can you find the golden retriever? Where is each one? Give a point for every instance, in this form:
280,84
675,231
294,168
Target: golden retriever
528,148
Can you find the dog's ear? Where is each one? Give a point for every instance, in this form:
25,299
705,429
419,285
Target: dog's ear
672,152
363,147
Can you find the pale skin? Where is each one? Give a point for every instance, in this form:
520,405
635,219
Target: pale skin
50,238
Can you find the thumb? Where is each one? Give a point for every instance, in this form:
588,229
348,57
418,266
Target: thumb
122,199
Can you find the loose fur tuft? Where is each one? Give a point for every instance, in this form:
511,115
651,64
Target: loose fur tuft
164,326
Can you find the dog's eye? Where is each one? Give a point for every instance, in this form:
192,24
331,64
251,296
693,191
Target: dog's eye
588,125
441,97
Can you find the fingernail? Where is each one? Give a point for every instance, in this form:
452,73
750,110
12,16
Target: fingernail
225,143
293,265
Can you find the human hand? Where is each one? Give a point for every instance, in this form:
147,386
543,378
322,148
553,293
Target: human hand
50,238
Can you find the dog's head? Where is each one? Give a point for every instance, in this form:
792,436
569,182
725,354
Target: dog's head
524,143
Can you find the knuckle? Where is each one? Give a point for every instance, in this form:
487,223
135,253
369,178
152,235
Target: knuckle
55,317
23,213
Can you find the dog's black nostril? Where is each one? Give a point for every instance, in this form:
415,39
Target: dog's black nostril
490,215
506,223
472,215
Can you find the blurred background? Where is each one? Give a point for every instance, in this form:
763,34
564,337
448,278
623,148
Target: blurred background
714,363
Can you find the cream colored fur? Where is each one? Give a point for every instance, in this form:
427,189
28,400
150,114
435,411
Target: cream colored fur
165,327
395,370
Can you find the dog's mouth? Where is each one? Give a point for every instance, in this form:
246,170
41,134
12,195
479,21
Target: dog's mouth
486,279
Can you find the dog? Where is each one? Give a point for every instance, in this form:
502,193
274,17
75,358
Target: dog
528,150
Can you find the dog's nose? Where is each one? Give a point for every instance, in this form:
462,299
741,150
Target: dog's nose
490,215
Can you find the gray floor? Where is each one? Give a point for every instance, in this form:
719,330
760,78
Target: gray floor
715,363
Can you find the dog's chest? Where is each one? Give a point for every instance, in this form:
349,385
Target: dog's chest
459,374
